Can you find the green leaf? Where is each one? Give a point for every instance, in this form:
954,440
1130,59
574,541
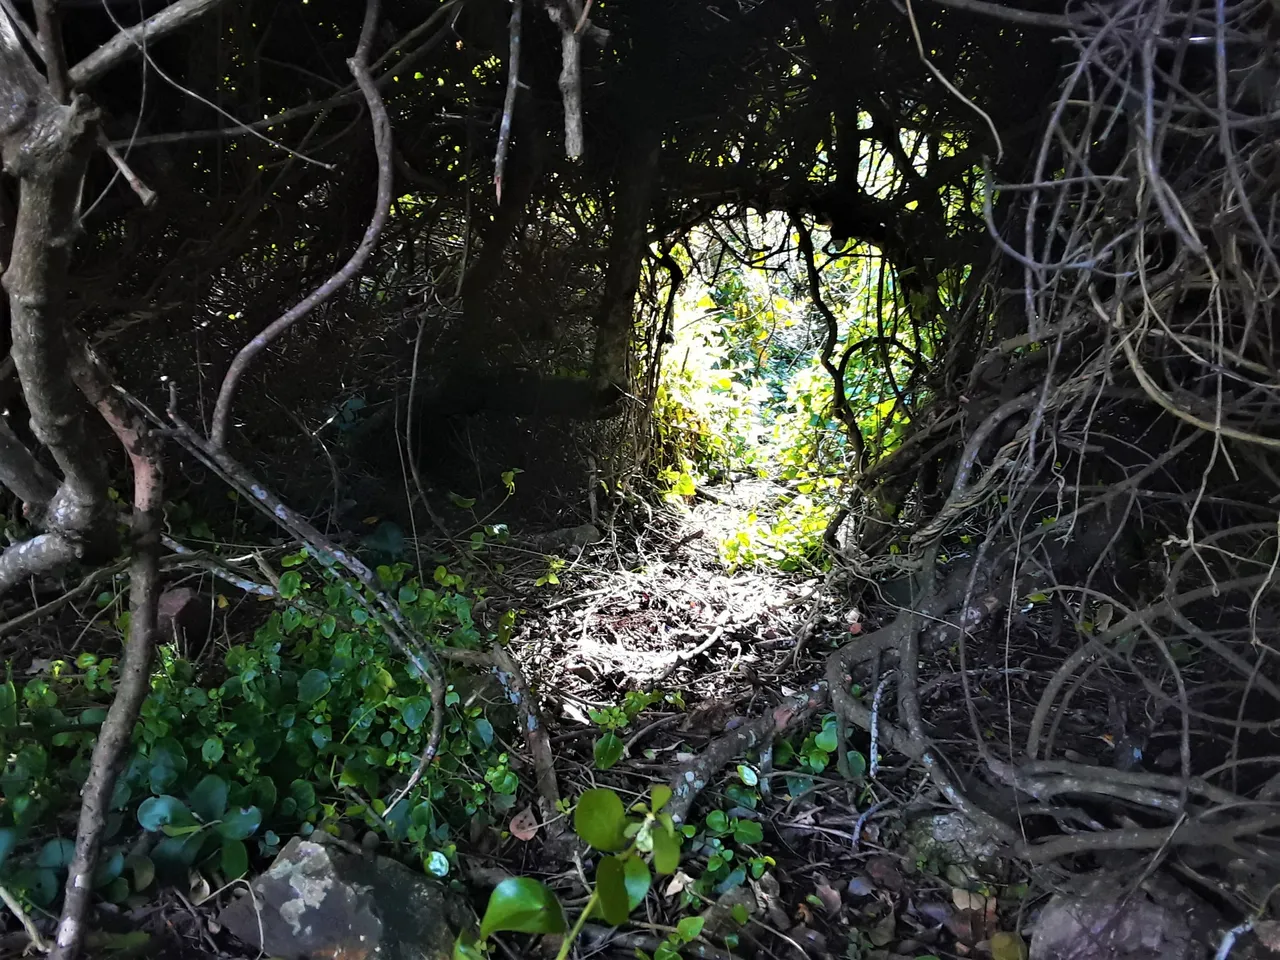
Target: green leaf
40,885
748,831
740,913
659,796
159,813
666,851
328,626
303,794
143,869
690,928
638,880
608,750
826,740
235,859
857,764
56,854
212,750
466,948
522,905
748,775
290,584
718,821
8,705
108,869
240,824
611,891
313,685
483,731
8,840
600,820
414,710
117,891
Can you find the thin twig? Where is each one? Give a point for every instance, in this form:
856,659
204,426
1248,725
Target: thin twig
145,193
49,25
509,102
10,901
359,67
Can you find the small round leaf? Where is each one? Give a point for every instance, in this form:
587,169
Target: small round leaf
522,905
611,891
235,859
600,820
690,928
437,864
209,798
240,824
56,854
666,851
156,813
608,750
638,881
313,685
212,750
8,840
659,795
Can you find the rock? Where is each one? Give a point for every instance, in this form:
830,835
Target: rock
579,537
1097,924
953,840
317,901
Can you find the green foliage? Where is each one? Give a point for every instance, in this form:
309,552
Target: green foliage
525,905
744,390
522,905
609,747
307,714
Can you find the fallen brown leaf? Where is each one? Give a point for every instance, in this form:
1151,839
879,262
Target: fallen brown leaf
830,898
524,825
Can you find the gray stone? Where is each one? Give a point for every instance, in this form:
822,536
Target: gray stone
317,901
1103,923
952,840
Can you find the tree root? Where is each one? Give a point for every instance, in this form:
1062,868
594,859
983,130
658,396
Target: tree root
692,777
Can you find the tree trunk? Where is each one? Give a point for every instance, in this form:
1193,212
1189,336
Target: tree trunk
632,199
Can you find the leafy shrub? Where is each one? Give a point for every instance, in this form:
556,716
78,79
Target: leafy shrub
311,723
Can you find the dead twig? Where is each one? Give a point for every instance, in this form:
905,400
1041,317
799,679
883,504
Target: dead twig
37,942
358,64
509,102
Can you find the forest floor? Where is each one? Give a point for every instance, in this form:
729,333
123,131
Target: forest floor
646,651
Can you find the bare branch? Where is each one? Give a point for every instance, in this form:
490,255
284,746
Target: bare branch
129,42
22,473
145,193
509,104
999,11
55,57
135,669
566,14
359,66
